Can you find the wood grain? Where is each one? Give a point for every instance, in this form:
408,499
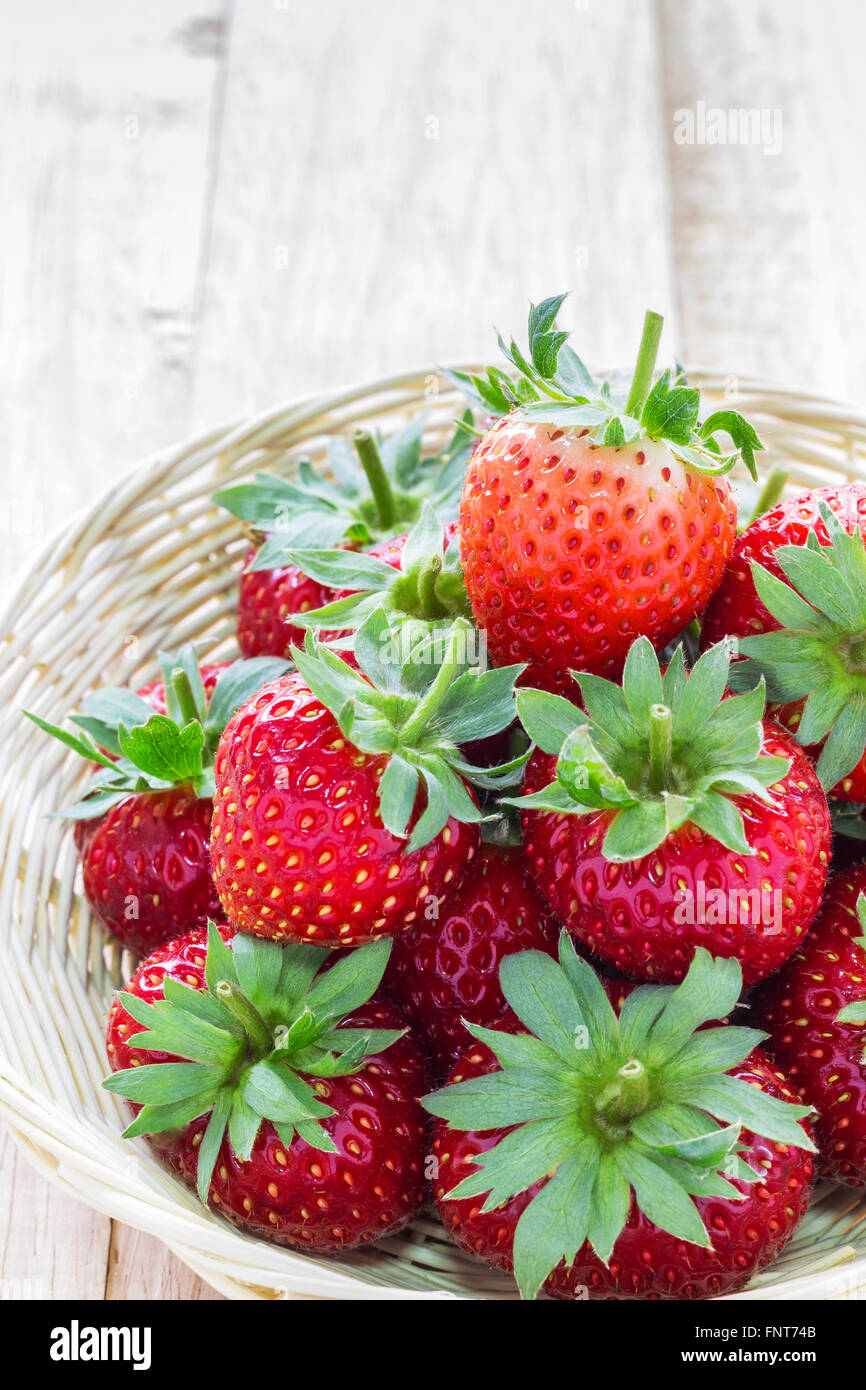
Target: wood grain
769,246
394,180
106,115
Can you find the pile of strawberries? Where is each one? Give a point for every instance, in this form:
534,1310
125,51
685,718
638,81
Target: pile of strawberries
529,767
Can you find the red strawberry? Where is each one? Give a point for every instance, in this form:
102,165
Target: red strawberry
667,817
143,826
305,1128
313,808
146,867
596,1182
588,520
793,595
819,1045
446,967
375,495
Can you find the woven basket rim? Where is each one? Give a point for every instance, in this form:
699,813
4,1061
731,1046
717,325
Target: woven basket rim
286,1273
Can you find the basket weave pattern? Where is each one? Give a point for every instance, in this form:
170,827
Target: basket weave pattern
153,564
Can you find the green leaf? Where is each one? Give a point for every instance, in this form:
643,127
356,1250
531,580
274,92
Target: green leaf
521,1158
608,1209
208,1149
343,569
258,965
845,745
711,988
554,1225
244,1126
350,982
661,1199
103,710
501,1098
540,994
164,1083
219,960
636,832
398,791
273,1091
729,1098
162,749
642,682
584,773
721,819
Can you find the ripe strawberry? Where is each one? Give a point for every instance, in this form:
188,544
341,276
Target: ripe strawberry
373,496
143,826
616,1154
445,968
588,519
341,804
668,817
813,1011
794,596
298,1117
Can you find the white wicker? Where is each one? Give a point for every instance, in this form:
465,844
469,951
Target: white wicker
152,564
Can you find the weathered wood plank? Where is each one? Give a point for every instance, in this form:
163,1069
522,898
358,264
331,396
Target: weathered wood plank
396,179
768,236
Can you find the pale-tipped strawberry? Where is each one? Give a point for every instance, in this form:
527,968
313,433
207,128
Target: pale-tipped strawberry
143,823
665,815
375,491
592,516
343,799
604,1154
284,1092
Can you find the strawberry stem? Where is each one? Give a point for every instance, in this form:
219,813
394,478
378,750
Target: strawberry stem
626,1096
428,605
377,477
180,684
425,711
254,1025
645,364
660,747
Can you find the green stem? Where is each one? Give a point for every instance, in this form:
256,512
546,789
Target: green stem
626,1096
660,747
428,604
426,709
645,364
246,1014
377,477
182,687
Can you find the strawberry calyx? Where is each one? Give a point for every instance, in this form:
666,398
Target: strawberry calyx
416,703
268,1017
138,750
608,1108
818,654
662,749
376,490
554,387
427,588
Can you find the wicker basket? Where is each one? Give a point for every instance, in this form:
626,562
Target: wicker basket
152,564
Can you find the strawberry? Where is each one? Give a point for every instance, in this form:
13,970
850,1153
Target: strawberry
666,817
793,596
143,826
589,518
376,495
341,804
813,1011
620,1153
445,968
296,1115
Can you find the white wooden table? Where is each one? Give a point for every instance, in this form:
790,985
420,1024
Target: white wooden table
210,205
